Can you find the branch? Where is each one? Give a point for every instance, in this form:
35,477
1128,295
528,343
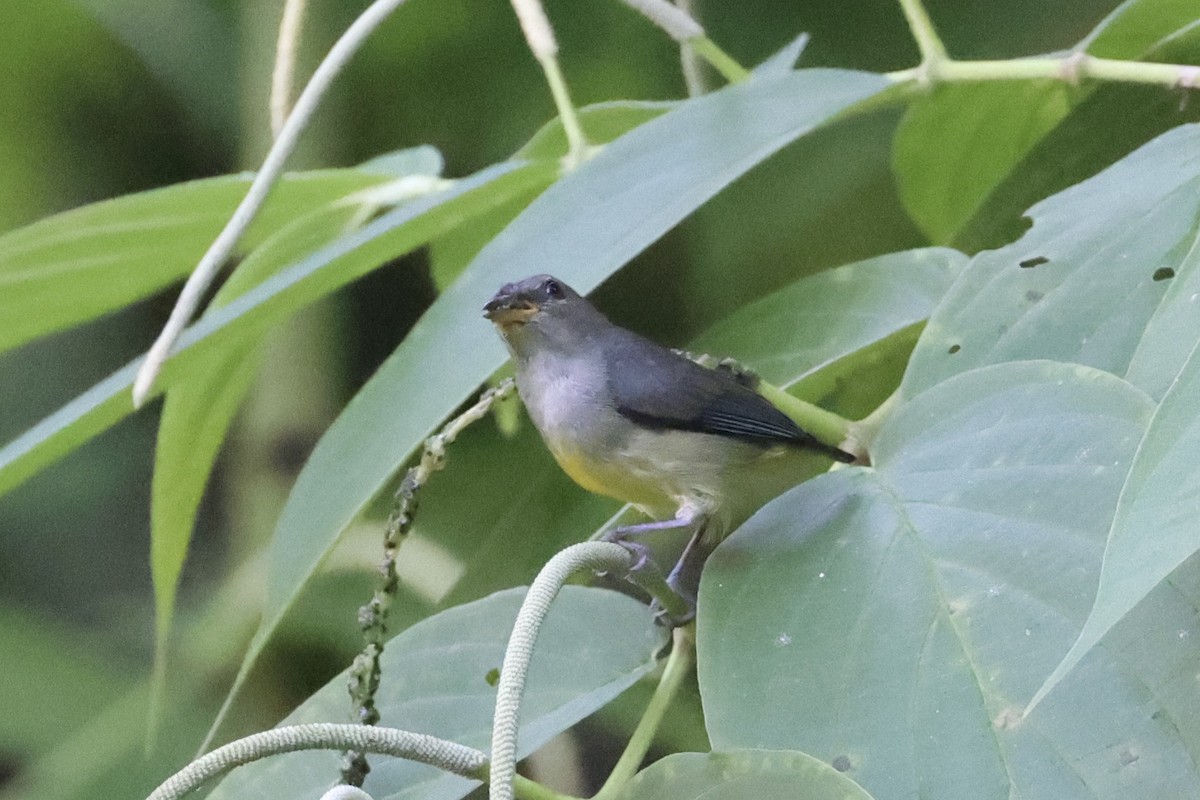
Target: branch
679,664
272,166
366,672
1072,69
932,50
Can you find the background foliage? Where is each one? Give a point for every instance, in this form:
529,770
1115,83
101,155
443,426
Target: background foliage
1036,480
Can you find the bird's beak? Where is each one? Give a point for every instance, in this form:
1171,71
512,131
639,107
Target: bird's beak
508,310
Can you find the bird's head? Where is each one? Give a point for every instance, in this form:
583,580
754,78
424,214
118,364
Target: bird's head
528,300
539,311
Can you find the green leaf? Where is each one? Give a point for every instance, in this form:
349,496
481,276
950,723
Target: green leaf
961,144
784,61
1154,530
201,404
819,319
80,264
583,228
927,598
601,122
315,276
1139,26
739,774
595,645
1098,131
1085,282
956,144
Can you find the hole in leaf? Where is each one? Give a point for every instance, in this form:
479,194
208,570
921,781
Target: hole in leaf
1163,274
841,763
954,348
492,677
1033,295
1036,261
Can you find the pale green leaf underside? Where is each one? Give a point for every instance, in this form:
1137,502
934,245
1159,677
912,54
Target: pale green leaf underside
931,595
1086,284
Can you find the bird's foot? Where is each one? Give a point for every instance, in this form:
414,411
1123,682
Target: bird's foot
670,607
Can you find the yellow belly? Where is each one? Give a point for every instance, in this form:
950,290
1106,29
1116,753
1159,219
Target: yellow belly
612,480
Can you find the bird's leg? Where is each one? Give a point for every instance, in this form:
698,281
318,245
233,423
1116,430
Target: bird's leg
645,572
684,578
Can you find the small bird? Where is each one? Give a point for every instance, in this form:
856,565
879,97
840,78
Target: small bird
691,447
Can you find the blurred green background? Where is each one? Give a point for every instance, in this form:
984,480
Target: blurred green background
105,97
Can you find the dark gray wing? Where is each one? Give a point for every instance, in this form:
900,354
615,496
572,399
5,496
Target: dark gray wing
658,388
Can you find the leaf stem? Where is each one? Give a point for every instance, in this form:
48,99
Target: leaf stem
540,38
826,426
678,23
577,144
1072,69
721,61
932,50
678,666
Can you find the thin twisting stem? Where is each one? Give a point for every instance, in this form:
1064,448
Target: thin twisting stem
678,666
450,756
540,38
366,672
284,73
506,722
272,166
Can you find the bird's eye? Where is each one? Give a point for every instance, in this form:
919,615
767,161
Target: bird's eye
553,288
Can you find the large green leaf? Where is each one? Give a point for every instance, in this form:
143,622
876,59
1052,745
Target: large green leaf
1098,131
739,774
1155,527
825,317
77,265
960,144
594,645
1087,282
584,228
896,620
956,143
318,274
